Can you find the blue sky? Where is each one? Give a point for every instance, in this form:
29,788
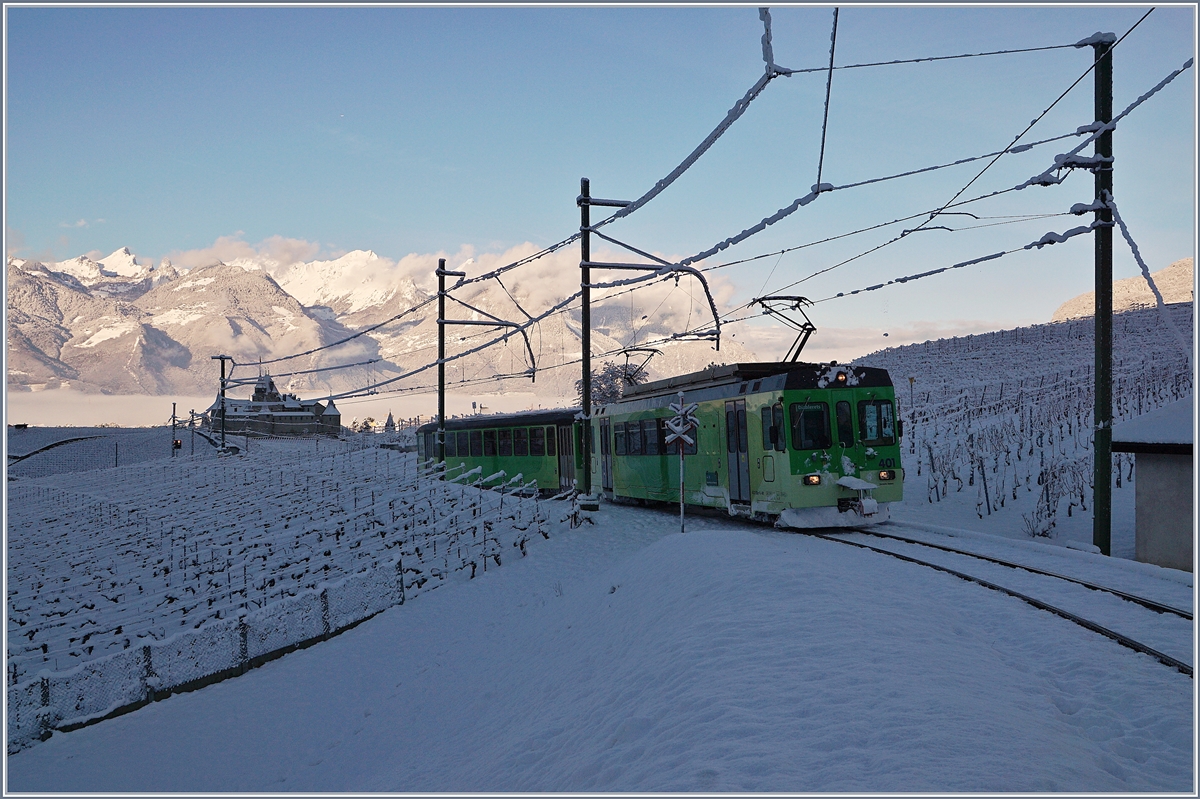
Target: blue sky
421,130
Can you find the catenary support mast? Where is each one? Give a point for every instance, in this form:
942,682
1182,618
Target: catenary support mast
1102,442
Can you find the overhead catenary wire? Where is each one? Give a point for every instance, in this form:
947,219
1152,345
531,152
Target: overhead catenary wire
926,59
828,88
1081,43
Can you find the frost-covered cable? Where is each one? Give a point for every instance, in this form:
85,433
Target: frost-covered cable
1044,241
1082,43
825,188
362,332
734,114
1023,148
1159,304
828,88
784,71
1072,159
764,14
521,327
668,271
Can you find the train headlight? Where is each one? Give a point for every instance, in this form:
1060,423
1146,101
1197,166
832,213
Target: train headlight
841,378
887,474
811,479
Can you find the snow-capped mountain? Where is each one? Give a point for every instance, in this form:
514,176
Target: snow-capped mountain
117,325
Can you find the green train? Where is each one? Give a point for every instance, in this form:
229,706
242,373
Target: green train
801,445
798,444
540,446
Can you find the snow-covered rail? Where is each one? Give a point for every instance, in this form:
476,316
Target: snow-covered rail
1124,640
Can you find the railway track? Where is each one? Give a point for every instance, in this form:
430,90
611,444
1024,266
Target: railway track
842,536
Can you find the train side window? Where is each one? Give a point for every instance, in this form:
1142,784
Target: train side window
650,436
845,424
537,441
810,425
476,443
730,431
619,439
520,441
634,438
463,441
877,422
505,443
489,443
742,435
768,436
549,440
780,438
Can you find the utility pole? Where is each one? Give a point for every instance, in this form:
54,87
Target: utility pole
441,326
172,429
585,201
222,359
1102,441
585,277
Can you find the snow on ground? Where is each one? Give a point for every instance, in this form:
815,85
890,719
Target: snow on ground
626,657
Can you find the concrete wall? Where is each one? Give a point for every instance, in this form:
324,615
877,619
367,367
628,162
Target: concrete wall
1164,510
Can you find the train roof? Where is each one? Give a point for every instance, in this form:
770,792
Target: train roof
798,376
555,416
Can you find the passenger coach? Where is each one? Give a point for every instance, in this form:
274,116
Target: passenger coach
804,445
539,445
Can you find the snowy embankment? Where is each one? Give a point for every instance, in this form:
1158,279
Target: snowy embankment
998,426
627,657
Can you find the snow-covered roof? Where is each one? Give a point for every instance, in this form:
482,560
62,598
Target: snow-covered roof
1170,424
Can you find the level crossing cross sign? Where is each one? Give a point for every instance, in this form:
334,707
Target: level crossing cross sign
683,421
679,426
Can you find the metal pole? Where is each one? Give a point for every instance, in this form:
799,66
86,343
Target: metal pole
172,429
441,409
192,427
222,357
585,254
1102,443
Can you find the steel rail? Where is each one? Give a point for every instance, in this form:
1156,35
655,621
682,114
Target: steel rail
1157,607
1126,641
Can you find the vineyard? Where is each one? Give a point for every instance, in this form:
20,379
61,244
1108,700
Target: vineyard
118,566
1007,416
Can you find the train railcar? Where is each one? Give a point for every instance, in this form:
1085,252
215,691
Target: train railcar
802,445
538,445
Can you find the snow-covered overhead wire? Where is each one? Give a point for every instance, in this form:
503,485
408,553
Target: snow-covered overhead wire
1023,148
1012,219
825,188
1045,241
734,114
339,342
1072,159
1160,305
496,340
784,71
828,88
764,14
1039,117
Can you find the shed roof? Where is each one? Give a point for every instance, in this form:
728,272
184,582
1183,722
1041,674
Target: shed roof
1165,430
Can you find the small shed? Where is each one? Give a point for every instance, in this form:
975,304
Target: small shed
1161,442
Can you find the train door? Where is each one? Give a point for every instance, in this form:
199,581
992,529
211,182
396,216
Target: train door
843,416
737,451
606,478
566,459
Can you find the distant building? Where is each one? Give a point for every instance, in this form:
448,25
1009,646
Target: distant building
390,425
1161,441
268,412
